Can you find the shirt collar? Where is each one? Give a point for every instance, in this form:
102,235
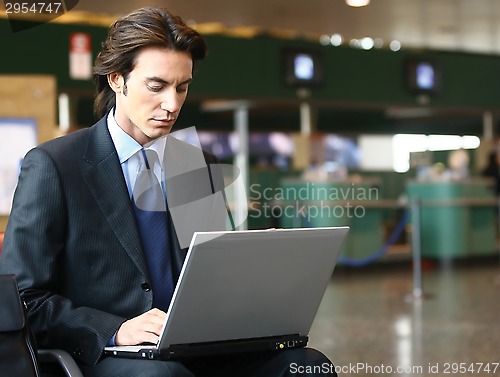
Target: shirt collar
126,146
158,145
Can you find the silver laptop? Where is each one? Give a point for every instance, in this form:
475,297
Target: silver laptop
245,291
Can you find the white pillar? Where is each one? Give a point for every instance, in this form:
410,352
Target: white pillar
241,161
305,119
64,112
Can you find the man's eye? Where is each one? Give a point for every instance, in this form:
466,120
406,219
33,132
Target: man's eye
155,88
182,89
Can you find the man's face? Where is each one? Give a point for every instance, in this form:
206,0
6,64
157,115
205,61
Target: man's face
149,102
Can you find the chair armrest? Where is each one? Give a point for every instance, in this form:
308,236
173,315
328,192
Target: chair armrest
64,359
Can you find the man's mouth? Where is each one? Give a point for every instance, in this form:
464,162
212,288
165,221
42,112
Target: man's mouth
164,120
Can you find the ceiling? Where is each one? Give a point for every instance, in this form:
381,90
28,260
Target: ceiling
458,25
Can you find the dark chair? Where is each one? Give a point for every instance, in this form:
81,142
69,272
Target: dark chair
63,360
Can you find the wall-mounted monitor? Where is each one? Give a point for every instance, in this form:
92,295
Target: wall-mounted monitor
303,68
423,76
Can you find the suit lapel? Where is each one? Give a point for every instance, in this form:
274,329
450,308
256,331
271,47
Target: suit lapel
104,178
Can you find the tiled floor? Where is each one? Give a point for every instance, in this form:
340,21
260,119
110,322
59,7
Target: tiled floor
369,325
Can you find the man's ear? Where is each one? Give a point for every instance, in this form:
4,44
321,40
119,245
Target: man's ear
116,82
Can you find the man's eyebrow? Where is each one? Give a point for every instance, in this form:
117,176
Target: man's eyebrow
165,82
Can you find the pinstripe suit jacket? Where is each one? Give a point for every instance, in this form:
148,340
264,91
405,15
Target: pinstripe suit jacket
72,241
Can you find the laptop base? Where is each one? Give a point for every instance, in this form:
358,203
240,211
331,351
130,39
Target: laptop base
180,351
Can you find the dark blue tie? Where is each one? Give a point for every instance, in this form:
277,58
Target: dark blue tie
151,215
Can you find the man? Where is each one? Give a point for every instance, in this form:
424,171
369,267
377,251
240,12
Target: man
73,238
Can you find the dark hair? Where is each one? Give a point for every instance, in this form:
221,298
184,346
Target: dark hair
145,27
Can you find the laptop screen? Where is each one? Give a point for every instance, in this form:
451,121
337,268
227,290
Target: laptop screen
251,284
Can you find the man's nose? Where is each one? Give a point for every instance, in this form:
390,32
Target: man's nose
171,102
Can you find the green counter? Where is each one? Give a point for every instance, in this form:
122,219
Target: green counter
457,218
321,204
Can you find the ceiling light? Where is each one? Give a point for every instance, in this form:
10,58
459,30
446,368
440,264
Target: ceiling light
357,3
355,43
395,45
336,39
378,43
367,43
324,40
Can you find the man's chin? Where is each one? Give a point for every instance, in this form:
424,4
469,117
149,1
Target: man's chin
159,132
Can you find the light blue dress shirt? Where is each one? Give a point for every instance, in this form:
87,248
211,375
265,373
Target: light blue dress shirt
127,149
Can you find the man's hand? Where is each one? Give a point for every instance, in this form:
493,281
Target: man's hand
145,328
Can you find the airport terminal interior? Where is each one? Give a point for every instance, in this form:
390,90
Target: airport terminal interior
384,117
